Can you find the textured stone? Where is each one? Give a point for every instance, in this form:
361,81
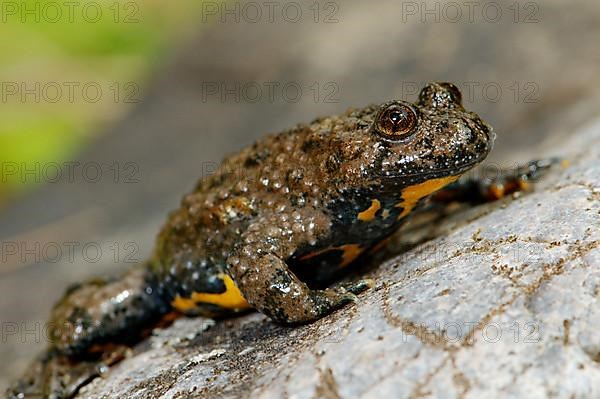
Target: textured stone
503,303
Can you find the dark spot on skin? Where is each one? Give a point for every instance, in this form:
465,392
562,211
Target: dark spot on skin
298,200
251,161
256,157
309,144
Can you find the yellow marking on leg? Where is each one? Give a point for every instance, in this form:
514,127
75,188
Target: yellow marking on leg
369,214
350,253
232,298
412,194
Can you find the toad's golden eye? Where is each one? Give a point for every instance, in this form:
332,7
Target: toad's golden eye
396,121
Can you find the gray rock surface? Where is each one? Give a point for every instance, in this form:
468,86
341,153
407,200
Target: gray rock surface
503,303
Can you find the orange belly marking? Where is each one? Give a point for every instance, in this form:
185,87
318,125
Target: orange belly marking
412,194
369,214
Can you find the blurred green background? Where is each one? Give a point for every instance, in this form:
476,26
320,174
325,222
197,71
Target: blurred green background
69,71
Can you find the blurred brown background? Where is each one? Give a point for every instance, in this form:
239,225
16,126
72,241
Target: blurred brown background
230,77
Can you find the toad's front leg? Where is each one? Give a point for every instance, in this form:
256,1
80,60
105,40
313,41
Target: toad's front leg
484,189
269,286
266,281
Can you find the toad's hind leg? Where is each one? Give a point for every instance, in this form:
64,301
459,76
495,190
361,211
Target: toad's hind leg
86,326
105,311
269,286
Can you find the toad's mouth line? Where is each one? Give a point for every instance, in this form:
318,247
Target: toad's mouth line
440,172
